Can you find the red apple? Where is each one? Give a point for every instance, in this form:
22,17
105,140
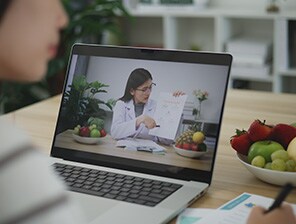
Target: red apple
84,132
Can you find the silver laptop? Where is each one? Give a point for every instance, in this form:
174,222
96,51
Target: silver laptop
118,183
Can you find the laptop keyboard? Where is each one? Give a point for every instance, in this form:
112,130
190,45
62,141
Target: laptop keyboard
115,186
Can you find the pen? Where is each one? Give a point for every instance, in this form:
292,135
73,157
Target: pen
280,197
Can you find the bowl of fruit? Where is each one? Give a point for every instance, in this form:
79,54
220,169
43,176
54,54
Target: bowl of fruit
191,144
90,133
268,151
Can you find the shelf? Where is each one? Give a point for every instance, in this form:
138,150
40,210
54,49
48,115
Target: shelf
247,78
210,29
211,12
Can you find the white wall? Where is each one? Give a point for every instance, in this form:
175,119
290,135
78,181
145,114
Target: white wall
168,77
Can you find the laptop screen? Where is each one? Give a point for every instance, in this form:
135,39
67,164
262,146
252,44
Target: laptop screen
138,109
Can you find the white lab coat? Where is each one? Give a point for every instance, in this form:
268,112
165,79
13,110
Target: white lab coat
124,120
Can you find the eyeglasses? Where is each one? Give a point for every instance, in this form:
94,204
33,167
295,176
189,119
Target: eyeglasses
146,89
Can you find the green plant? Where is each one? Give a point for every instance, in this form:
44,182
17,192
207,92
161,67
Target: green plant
80,102
89,20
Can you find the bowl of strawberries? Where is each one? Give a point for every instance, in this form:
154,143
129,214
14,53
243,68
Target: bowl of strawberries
268,151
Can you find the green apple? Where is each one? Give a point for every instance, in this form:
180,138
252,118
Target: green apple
95,133
263,148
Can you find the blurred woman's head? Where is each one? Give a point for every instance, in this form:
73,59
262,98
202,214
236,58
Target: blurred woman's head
29,37
138,86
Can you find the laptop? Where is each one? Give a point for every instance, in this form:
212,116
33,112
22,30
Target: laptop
125,185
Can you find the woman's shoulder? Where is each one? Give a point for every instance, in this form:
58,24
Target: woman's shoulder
21,160
122,104
11,138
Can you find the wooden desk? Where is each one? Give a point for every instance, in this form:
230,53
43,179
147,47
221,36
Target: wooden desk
230,177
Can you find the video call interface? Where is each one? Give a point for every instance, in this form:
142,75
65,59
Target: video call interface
90,106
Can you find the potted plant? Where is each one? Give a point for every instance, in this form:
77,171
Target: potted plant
81,102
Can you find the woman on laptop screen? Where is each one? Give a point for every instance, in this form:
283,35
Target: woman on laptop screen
133,112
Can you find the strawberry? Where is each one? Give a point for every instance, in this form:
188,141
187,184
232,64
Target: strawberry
194,147
186,146
241,142
259,131
180,146
283,134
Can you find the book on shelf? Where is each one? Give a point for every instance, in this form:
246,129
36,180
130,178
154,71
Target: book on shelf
176,2
263,71
145,1
171,4
167,2
250,59
250,46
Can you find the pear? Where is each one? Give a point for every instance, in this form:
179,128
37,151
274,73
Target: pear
292,149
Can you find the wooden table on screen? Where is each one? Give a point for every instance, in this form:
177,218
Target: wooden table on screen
230,177
107,146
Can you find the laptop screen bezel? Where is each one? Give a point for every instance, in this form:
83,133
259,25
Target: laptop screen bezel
131,164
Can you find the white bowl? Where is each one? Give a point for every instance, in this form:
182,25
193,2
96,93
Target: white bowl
86,140
267,175
189,153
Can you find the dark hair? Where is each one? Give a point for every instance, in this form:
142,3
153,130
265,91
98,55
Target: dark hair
3,7
136,78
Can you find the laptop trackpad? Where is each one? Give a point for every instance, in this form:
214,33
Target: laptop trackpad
92,206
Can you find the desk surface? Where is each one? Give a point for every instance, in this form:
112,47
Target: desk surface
230,177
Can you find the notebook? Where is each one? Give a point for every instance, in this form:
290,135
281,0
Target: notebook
115,184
